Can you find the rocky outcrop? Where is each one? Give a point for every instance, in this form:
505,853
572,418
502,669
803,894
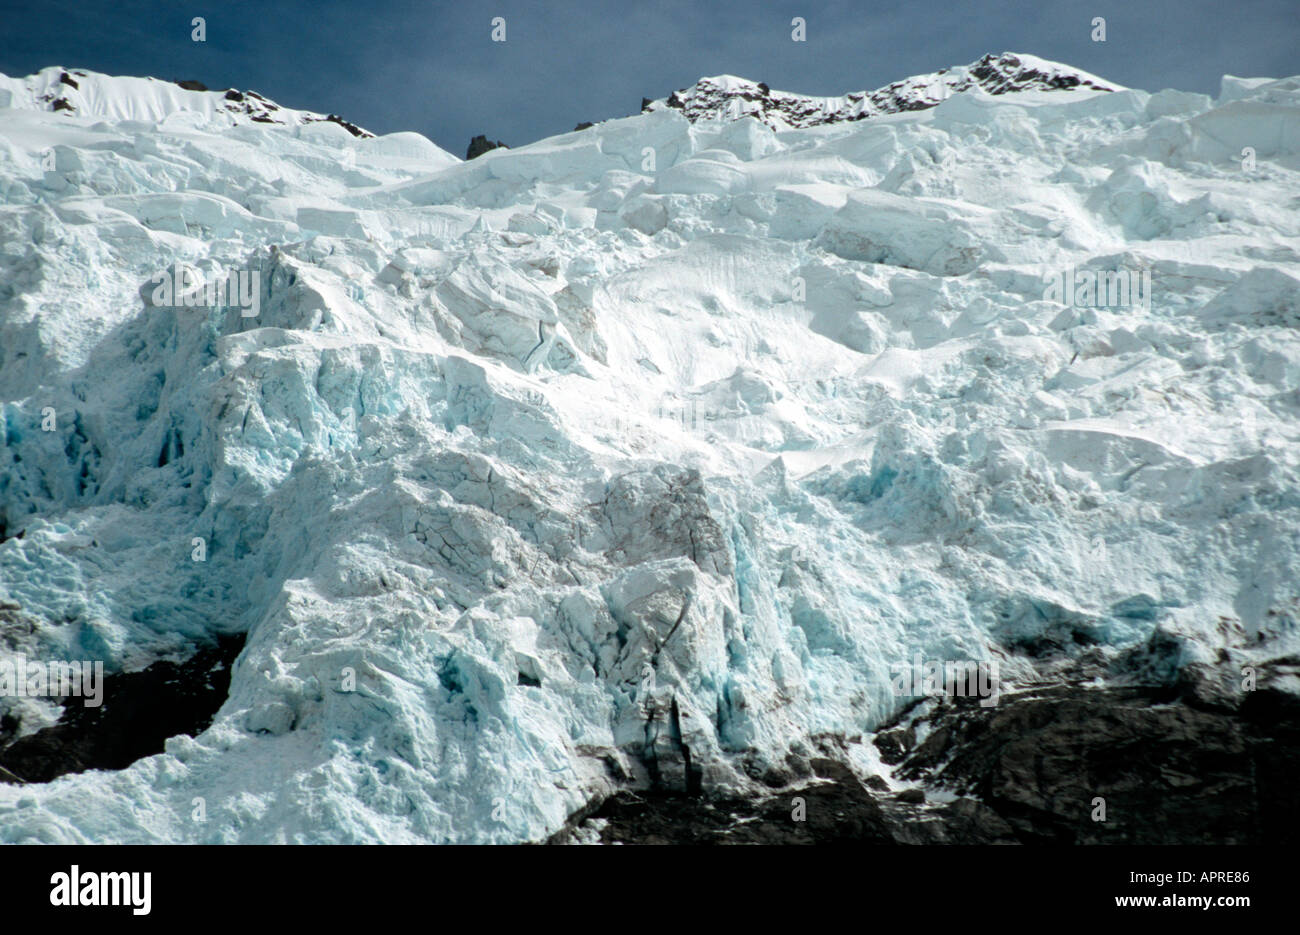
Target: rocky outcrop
1073,761
480,145
141,710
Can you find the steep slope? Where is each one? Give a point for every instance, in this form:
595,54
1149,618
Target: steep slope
638,457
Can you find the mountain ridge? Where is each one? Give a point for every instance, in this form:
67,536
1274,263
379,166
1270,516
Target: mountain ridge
727,97
82,92
712,98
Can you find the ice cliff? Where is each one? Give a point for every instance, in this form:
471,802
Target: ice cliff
635,455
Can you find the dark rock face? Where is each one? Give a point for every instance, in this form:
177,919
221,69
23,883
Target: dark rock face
140,711
480,145
1070,761
1168,769
583,126
192,85
834,807
836,813
66,78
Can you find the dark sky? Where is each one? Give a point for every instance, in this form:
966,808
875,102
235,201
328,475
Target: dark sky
431,66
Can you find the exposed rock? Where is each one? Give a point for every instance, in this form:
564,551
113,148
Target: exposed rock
1034,769
480,145
140,710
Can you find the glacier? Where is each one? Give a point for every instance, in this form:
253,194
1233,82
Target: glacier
636,456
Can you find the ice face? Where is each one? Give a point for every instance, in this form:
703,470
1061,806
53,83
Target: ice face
644,453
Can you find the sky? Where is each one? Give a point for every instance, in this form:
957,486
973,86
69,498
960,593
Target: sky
431,66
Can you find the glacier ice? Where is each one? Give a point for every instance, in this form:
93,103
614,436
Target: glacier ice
591,469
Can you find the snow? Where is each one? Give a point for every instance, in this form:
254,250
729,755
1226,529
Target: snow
544,445
724,99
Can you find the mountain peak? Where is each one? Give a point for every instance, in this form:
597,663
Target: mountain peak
728,97
112,97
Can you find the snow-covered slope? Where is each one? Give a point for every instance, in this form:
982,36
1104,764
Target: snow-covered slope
639,454
111,97
727,97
